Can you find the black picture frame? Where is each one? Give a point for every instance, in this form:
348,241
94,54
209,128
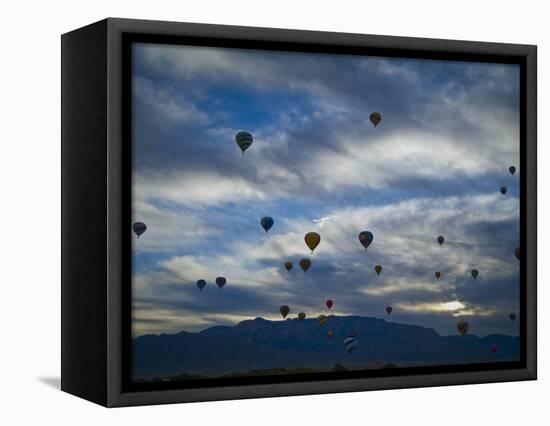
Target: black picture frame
96,182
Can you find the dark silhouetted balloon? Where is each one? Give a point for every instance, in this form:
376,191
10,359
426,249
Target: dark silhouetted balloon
366,238
389,309
312,240
288,266
302,316
512,170
378,269
139,228
463,327
305,264
350,344
517,252
266,223
503,190
437,274
375,118
220,281
244,140
284,310
475,273
329,303
512,316
441,240
201,284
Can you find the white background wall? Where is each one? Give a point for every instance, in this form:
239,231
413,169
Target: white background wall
30,212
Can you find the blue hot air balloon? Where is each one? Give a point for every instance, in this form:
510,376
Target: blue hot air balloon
201,284
139,228
266,223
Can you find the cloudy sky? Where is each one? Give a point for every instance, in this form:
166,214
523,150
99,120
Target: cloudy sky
434,166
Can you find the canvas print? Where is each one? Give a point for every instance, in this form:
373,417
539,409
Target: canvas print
298,212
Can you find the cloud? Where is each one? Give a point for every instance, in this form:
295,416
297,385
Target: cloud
449,132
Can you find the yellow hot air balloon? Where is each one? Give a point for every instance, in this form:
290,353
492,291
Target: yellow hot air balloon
322,320
312,240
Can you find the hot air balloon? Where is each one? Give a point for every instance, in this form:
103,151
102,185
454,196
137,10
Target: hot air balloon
441,240
201,284
266,223
305,264
463,327
244,140
437,274
389,309
329,303
512,316
517,252
220,281
475,273
139,228
322,319
378,269
330,333
503,190
375,118
365,238
312,240
349,344
494,349
301,316
284,310
512,170
288,266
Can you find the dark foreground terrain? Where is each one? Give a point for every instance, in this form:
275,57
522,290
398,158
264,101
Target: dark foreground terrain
282,347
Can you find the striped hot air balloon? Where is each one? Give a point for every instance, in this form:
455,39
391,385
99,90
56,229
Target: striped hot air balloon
244,140
350,343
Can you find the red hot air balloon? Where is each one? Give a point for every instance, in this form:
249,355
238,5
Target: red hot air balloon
284,310
329,303
494,349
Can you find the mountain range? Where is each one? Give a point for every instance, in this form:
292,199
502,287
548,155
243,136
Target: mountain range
262,344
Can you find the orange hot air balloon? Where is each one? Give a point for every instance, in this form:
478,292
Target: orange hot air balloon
330,333
305,264
463,327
